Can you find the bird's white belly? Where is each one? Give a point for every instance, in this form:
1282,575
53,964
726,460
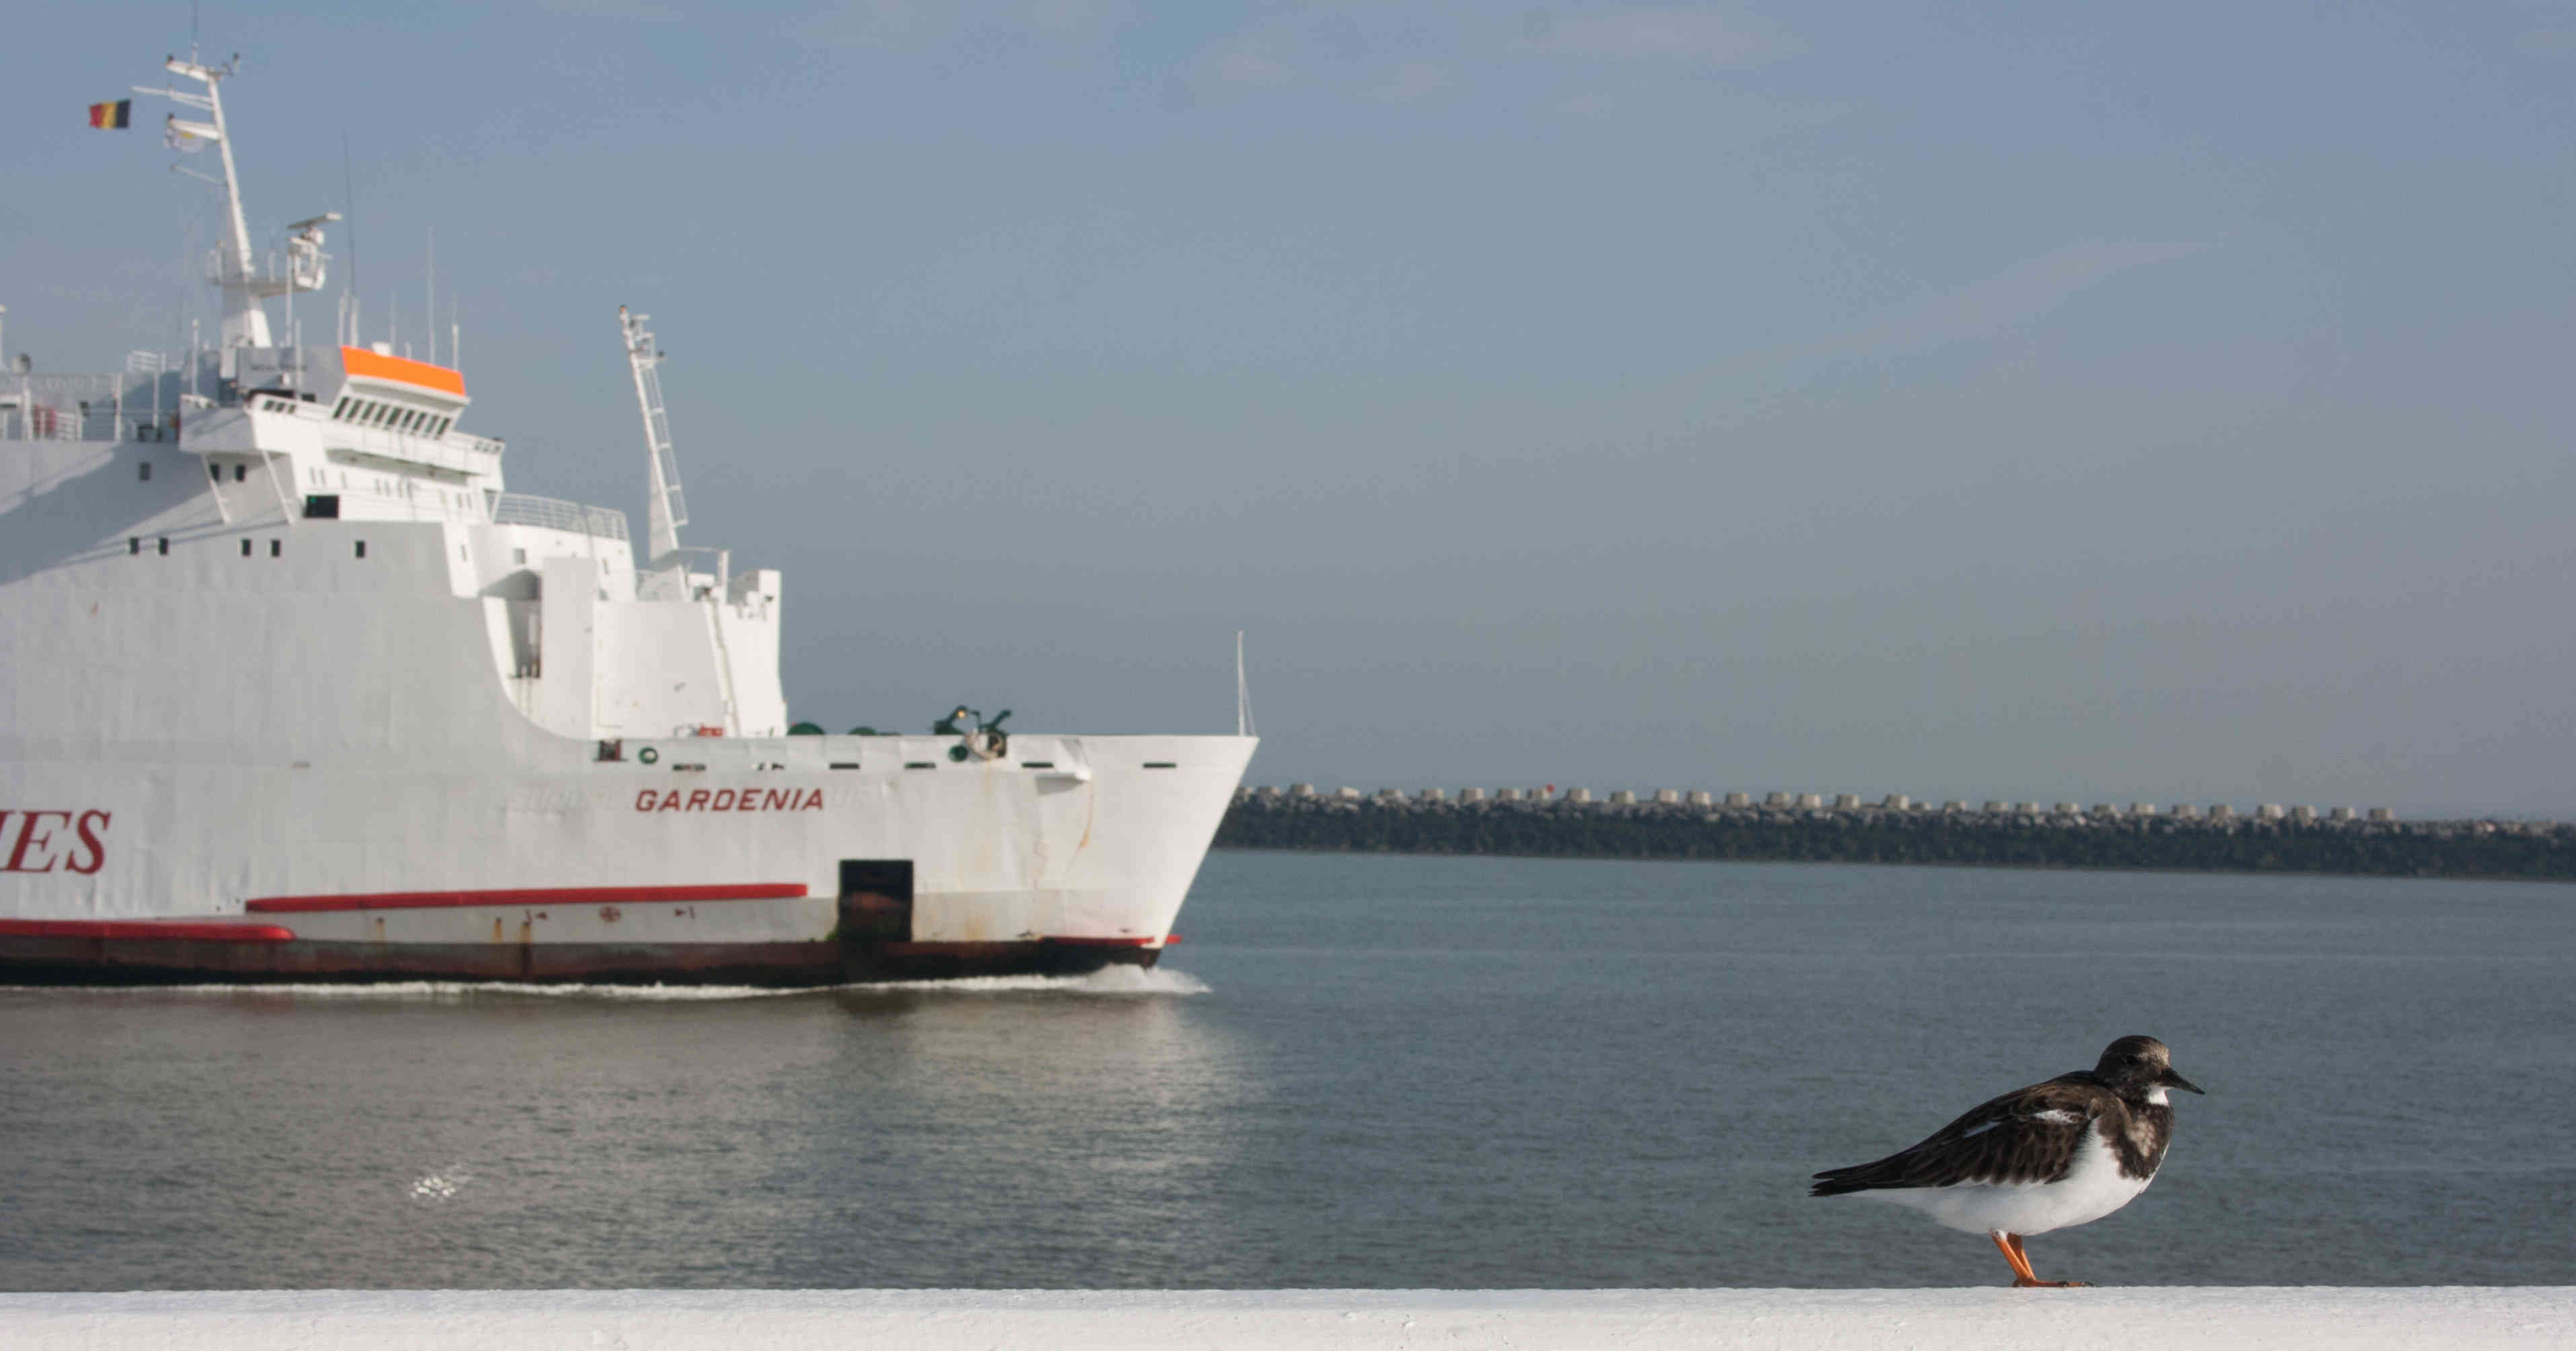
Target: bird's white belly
2090,1190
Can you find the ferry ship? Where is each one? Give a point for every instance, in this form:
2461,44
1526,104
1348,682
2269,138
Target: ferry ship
295,691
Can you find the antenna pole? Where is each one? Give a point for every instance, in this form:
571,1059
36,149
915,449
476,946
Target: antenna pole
349,190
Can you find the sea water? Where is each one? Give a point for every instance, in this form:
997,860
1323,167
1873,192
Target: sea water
1354,1071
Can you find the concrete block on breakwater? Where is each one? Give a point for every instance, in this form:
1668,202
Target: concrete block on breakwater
1698,824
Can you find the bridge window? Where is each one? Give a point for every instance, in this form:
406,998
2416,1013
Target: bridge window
145,474
362,548
276,548
245,548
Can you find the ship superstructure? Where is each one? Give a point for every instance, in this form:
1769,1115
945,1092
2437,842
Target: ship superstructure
295,689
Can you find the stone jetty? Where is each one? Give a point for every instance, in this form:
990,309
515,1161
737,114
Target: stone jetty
1672,823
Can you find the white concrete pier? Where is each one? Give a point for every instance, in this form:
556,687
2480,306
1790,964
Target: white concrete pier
1989,1319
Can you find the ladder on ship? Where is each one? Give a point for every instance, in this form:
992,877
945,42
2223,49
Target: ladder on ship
665,509
665,569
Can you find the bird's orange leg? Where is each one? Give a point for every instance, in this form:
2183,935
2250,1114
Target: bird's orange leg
2021,1265
2005,1244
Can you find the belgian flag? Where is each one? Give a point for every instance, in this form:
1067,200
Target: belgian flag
115,116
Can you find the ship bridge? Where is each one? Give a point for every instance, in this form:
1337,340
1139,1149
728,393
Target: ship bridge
347,413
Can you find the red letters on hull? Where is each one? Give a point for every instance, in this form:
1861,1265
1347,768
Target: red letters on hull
44,840
731,800
38,841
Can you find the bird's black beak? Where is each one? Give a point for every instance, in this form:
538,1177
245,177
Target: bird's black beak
2169,1079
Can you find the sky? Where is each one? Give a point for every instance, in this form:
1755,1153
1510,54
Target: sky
2003,400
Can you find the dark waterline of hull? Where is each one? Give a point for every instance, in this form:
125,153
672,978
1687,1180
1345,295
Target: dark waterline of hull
119,961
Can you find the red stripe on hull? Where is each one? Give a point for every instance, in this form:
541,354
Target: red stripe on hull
435,900
144,929
1121,942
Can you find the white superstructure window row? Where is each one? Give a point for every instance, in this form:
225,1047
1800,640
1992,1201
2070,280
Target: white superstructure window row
391,416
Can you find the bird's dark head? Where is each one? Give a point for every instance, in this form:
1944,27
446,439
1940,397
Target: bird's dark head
2142,1067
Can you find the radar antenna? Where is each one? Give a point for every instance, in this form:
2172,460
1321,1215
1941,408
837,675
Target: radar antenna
665,510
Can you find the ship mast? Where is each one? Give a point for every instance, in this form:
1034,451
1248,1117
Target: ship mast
665,510
233,268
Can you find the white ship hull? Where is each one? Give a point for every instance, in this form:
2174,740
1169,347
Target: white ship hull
307,741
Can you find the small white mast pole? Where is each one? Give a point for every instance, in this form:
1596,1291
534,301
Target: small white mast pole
232,182
1242,691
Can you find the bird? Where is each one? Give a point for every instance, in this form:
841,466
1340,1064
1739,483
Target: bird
2050,1156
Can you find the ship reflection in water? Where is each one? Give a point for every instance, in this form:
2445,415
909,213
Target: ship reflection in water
1016,1131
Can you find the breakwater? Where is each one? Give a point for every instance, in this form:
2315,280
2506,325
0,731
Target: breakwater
1671,824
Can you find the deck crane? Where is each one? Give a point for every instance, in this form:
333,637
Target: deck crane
665,510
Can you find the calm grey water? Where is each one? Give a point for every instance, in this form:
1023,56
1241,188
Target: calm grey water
1355,1072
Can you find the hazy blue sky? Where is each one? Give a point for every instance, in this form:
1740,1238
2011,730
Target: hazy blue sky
1964,400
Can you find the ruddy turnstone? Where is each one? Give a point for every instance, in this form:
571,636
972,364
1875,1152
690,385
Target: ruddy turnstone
2049,1156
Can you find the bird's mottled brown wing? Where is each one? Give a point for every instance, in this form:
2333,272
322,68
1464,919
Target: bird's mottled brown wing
2028,1135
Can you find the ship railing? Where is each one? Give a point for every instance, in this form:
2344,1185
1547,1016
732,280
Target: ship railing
77,406
553,513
